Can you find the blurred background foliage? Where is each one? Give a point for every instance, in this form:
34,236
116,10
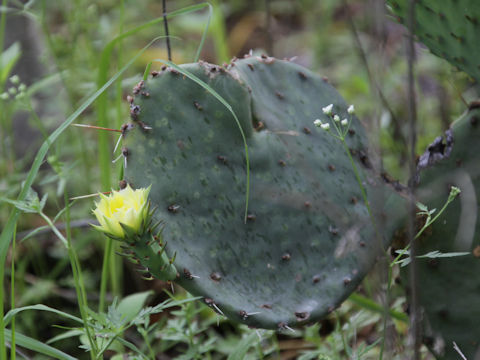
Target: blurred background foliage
57,49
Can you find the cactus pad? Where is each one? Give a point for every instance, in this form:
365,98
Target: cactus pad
308,239
450,29
449,287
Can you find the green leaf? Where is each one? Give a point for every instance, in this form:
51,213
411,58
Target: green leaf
422,207
243,346
24,206
8,60
31,204
131,305
438,254
132,347
66,335
430,255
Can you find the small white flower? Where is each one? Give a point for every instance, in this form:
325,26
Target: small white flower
325,127
15,79
4,96
454,191
12,91
351,109
327,110
317,123
336,118
22,87
344,122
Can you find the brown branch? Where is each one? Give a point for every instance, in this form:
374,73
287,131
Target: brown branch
397,132
268,30
165,23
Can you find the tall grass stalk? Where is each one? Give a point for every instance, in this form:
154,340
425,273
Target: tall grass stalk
3,349
219,33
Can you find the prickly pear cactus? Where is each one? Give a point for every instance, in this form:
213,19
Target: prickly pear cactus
450,29
449,287
308,239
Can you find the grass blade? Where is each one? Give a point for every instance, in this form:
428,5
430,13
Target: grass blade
37,346
8,317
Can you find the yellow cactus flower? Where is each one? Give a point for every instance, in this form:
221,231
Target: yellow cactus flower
127,207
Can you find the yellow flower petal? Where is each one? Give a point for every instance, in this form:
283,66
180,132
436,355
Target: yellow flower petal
127,206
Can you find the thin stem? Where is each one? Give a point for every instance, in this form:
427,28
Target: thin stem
3,348
82,297
118,85
144,334
104,279
96,127
107,345
386,312
359,180
165,24
37,120
54,229
342,132
116,269
12,297
429,222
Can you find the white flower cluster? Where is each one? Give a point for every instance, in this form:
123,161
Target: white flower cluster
344,124
17,90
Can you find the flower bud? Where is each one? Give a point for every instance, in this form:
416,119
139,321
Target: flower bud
454,191
15,79
327,110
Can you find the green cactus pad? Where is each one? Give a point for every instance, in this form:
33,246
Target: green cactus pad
308,240
449,28
449,287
